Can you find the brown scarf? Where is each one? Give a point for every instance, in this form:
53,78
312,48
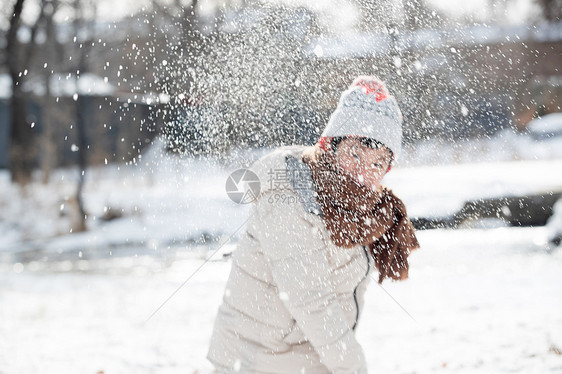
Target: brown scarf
355,214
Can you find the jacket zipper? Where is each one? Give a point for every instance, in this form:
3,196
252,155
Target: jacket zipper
355,289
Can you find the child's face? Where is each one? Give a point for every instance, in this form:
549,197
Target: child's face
366,165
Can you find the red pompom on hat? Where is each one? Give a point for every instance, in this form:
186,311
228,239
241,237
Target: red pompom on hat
372,84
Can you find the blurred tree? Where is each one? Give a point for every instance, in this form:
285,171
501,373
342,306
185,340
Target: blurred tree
19,55
51,60
83,111
551,9
61,49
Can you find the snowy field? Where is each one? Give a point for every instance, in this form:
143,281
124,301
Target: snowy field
477,301
480,301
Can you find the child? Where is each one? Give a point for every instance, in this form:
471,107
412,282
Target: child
317,231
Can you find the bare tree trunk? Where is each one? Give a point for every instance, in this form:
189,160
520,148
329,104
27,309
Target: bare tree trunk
21,134
81,109
48,148
83,112
21,139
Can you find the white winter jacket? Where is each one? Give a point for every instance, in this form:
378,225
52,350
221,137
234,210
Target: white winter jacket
293,298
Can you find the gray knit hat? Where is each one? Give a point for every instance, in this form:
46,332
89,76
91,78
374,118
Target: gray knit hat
367,109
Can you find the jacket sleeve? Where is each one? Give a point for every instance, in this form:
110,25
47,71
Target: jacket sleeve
296,254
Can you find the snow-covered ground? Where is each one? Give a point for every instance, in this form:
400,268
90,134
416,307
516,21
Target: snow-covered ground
164,202
480,300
